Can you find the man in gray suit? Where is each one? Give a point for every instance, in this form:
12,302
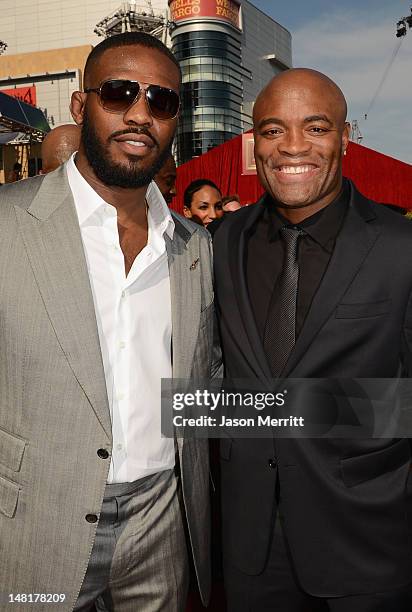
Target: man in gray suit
103,292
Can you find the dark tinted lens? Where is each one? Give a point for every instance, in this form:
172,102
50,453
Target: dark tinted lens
118,95
163,102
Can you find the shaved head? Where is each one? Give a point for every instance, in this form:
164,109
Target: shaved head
58,146
301,134
305,78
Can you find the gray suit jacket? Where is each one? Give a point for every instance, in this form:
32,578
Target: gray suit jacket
54,413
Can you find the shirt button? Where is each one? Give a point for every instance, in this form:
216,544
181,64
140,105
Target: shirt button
102,453
120,397
272,463
123,294
91,518
122,345
119,447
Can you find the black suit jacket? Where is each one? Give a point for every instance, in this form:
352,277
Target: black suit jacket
347,503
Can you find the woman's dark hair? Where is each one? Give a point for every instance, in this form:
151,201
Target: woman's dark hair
195,186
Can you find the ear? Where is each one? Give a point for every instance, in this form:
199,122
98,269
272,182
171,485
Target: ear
187,212
77,106
345,137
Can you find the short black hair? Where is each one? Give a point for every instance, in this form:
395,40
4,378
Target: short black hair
195,186
127,39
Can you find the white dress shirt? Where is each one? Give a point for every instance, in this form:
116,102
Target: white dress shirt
134,322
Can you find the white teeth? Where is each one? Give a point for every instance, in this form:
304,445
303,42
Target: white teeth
135,143
295,169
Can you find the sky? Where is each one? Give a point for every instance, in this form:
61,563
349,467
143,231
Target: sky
353,42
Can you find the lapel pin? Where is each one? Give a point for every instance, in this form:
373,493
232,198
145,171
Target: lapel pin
194,264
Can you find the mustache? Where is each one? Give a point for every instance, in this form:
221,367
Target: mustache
140,131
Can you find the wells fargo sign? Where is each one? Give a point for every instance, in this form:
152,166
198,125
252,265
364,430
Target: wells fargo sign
25,94
223,10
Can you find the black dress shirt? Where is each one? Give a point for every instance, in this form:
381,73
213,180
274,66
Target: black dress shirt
265,254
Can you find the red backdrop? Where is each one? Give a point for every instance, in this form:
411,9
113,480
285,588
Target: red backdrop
377,176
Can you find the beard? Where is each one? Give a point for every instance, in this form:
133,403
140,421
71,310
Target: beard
110,173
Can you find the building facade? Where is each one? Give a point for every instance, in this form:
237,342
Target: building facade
228,49
47,46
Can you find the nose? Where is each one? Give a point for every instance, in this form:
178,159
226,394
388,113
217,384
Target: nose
212,213
172,190
294,143
139,113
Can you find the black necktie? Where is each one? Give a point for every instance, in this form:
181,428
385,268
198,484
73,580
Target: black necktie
280,332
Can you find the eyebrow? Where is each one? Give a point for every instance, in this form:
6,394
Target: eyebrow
278,121
318,118
262,124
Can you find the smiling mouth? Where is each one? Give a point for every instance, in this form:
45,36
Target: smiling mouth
135,140
137,146
135,143
296,169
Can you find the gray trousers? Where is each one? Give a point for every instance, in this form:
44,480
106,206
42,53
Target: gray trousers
139,560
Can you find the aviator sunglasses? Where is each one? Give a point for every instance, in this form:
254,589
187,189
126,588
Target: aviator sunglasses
118,95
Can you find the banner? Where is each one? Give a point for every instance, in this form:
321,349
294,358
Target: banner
25,94
222,10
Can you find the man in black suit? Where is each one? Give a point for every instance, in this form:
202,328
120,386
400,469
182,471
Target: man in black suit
314,524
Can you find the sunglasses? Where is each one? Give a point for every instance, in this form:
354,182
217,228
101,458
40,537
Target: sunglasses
118,95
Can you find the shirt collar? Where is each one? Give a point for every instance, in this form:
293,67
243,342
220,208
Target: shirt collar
88,202
160,216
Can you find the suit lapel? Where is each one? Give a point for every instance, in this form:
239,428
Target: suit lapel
248,338
185,291
53,242
353,244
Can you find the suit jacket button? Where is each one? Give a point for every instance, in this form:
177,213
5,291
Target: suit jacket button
91,518
272,463
102,453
